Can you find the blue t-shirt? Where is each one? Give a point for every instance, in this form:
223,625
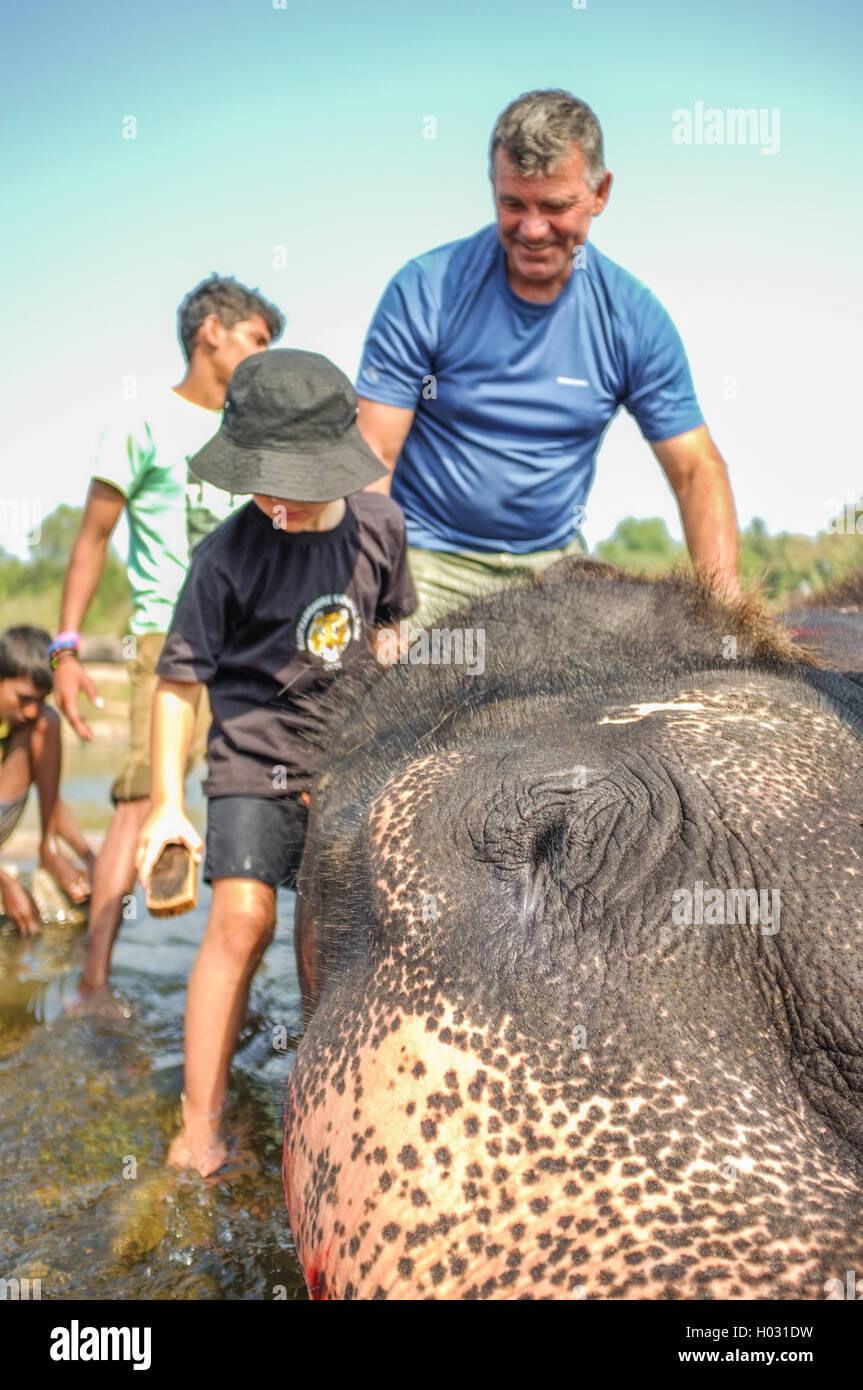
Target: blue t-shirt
511,397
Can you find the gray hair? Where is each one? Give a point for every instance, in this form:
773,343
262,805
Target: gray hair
538,129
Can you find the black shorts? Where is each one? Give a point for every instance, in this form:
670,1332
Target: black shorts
258,837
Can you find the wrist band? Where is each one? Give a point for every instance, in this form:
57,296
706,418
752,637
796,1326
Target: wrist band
68,641
58,656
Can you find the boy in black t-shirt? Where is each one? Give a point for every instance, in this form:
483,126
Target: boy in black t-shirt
280,598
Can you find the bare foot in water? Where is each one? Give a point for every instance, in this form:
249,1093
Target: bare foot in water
201,1149
242,1161
96,1003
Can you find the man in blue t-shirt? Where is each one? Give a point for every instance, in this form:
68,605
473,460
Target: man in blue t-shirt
494,364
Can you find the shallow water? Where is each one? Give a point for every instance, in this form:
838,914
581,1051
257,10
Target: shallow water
87,1108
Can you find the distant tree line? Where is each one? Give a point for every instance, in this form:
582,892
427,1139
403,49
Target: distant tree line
30,589
787,567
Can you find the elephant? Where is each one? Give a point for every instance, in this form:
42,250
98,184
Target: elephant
580,939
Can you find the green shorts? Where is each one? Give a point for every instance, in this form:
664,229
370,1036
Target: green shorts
448,579
132,782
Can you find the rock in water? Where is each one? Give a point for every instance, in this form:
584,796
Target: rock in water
54,906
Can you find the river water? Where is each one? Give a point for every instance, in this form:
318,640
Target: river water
88,1107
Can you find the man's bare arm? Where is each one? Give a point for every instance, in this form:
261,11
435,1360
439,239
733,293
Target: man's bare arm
385,429
101,513
698,477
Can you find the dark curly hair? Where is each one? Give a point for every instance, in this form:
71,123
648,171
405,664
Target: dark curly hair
230,301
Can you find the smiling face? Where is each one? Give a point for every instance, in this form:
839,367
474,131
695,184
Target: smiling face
542,218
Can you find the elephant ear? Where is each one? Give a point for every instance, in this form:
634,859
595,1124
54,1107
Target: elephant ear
830,627
832,637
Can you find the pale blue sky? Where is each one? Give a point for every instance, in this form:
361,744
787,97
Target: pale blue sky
303,127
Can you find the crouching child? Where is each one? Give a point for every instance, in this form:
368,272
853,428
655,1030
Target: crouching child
30,756
285,594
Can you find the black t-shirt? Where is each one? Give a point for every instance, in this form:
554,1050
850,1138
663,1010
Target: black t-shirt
267,619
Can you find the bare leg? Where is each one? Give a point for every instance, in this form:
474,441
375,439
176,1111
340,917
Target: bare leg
44,769
239,929
15,901
69,830
113,881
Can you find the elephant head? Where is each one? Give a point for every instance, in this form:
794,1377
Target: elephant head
581,940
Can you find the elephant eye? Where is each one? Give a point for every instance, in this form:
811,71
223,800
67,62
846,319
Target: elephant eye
548,845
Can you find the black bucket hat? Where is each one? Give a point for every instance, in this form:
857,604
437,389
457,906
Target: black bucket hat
289,430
